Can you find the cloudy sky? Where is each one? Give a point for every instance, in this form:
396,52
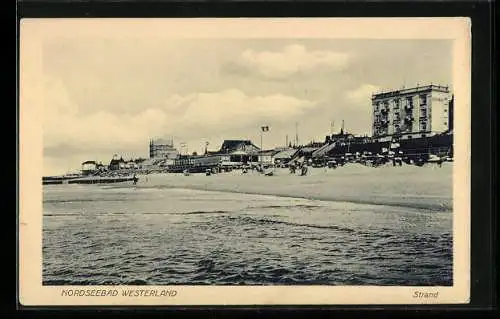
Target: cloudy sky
106,96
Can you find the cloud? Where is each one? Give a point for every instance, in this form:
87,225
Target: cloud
362,94
293,59
68,132
232,108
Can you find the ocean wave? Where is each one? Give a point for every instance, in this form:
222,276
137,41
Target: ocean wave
204,212
263,221
284,206
80,200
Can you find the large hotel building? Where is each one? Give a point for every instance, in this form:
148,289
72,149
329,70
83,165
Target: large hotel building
161,148
412,113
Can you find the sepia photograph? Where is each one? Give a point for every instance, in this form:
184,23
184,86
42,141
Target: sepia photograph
259,159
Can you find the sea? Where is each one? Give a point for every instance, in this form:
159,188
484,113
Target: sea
127,235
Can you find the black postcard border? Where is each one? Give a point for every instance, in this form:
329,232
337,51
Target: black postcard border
483,171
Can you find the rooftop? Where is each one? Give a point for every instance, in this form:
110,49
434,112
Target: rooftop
413,90
268,152
286,153
308,149
232,145
162,141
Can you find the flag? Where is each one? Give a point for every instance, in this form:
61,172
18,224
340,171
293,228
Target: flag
265,128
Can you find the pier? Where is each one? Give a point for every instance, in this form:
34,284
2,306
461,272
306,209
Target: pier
87,180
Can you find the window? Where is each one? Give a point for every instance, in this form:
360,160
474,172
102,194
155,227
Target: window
423,99
396,103
409,101
423,135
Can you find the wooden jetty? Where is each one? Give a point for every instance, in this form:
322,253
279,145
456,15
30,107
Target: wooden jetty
88,180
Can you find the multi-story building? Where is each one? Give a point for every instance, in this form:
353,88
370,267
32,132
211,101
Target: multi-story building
161,148
412,113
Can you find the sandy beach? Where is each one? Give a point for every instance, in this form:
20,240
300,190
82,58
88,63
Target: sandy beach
428,187
252,229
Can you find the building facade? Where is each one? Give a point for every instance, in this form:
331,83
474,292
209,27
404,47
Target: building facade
267,157
411,113
116,163
161,148
89,167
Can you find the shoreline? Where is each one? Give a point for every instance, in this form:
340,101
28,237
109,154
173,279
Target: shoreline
408,186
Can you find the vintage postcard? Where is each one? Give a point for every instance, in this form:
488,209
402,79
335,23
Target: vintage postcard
244,161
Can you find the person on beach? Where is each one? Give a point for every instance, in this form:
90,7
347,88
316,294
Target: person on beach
440,162
135,179
304,170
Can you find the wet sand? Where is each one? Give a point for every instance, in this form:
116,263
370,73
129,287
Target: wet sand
428,187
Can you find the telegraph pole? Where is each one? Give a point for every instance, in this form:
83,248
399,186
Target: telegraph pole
262,130
297,134
261,135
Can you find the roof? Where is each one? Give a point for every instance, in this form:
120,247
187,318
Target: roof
374,147
286,153
238,153
116,161
232,145
150,161
89,162
324,149
162,141
308,149
413,90
268,152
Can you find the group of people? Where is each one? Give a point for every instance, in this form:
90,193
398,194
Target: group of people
301,167
297,166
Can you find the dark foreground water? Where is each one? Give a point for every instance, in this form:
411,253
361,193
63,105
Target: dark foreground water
98,235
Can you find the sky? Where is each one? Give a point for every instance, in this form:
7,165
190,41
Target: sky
110,95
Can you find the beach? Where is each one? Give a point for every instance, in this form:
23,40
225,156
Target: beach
409,186
354,225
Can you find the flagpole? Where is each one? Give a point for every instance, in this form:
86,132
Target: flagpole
261,135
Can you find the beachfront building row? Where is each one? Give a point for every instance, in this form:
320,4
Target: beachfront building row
231,153
412,113
116,163
234,153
